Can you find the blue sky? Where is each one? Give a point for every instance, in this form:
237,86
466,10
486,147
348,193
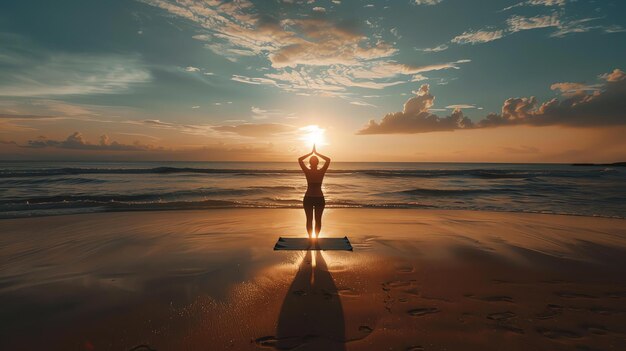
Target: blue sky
238,79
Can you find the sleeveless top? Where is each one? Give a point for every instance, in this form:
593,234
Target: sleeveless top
314,183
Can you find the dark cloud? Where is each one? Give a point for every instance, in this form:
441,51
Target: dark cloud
76,141
255,130
602,105
416,118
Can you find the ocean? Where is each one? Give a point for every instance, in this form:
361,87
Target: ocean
54,188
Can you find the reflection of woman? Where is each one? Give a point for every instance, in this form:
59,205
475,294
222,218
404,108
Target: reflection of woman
314,198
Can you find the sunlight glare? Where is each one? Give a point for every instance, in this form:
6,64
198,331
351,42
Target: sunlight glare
313,135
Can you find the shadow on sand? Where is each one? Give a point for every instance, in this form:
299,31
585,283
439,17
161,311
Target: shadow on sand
311,317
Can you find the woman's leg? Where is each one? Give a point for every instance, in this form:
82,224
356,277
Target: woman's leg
308,210
319,209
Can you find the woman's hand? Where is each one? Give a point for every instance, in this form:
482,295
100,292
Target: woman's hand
305,156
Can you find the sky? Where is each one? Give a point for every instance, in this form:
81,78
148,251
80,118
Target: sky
395,80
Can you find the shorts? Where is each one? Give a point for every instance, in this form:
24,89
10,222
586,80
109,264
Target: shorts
314,201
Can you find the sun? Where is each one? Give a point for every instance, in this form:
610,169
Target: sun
313,135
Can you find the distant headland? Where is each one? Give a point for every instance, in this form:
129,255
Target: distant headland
615,164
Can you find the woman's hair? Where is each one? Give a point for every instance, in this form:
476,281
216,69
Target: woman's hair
314,161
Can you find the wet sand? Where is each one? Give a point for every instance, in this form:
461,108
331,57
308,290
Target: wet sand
209,280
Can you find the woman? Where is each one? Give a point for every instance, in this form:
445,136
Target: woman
314,198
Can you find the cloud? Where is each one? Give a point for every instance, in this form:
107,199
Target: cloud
319,9
7,121
575,26
537,3
256,130
235,28
63,108
192,69
570,89
324,43
412,69
36,72
416,118
418,78
460,106
307,56
516,23
580,107
253,80
259,113
616,76
336,80
27,117
479,36
362,103
437,48
182,128
614,29
519,23
77,141
427,2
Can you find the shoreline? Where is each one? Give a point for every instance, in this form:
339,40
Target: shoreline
390,208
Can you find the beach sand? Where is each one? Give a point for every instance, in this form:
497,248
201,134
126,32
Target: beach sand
416,280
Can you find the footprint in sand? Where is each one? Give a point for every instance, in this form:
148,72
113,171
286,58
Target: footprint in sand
558,333
412,291
501,316
497,298
418,312
604,311
396,284
142,348
502,321
551,311
511,328
494,298
574,295
405,269
596,329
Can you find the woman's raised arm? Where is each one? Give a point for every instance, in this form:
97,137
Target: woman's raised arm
326,161
301,160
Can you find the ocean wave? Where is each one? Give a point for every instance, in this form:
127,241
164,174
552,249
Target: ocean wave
91,206
51,180
478,173
82,207
139,198
454,192
66,189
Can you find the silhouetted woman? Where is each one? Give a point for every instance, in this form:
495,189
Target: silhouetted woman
314,198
